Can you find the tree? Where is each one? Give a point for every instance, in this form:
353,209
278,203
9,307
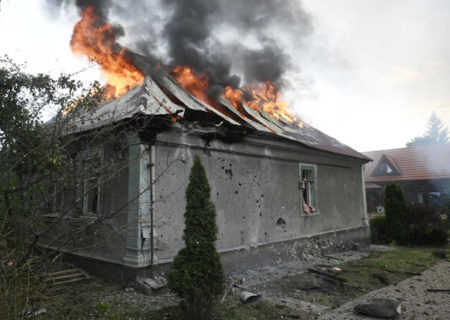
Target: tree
436,133
32,158
395,211
197,272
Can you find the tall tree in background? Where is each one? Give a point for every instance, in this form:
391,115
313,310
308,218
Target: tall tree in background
436,133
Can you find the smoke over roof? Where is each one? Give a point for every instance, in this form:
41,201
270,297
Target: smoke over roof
235,42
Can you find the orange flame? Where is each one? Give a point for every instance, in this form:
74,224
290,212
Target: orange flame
262,98
96,39
195,83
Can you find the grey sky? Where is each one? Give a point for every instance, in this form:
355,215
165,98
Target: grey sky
370,74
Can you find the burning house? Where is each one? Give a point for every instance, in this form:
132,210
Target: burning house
282,189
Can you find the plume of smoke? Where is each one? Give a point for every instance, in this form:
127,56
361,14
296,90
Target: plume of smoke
235,42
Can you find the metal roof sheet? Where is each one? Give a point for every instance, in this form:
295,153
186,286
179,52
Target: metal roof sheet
150,99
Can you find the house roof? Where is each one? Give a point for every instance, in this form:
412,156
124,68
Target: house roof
160,95
424,162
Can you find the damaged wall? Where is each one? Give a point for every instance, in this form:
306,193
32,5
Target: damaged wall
255,188
103,235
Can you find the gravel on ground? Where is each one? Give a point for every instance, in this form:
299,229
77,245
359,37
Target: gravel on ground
417,302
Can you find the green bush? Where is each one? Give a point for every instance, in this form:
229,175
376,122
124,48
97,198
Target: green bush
425,226
378,230
197,273
396,215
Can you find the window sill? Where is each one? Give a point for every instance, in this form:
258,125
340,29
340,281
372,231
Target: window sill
311,214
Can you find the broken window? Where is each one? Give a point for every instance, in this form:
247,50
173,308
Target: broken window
91,167
308,187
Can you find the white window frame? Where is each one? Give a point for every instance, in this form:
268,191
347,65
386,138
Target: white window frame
310,187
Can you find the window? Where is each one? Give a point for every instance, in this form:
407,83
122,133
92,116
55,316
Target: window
91,167
55,199
388,169
429,198
308,187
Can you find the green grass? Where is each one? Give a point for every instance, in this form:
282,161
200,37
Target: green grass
383,268
375,271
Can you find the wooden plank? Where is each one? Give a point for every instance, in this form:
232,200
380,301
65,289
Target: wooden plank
68,281
64,271
68,276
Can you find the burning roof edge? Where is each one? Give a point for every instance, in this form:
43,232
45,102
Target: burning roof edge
150,99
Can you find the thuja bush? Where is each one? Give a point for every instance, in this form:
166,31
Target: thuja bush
197,273
378,230
395,211
426,226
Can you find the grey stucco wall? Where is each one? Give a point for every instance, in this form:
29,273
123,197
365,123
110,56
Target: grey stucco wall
253,184
101,236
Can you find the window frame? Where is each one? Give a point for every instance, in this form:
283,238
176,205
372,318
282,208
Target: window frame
311,190
85,157
56,190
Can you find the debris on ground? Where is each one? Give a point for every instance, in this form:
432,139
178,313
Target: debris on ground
249,297
380,308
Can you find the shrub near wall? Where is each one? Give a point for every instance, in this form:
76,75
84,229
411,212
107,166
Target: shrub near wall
396,215
425,226
378,230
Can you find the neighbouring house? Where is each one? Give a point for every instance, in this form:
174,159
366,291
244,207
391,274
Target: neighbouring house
282,191
423,173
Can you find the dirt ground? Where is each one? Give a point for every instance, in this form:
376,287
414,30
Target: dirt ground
290,287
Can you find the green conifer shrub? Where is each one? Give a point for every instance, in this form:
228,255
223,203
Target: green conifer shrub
197,273
378,230
396,215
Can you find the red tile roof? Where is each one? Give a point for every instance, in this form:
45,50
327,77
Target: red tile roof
415,163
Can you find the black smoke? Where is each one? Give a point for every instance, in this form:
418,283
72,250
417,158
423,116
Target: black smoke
101,6
235,42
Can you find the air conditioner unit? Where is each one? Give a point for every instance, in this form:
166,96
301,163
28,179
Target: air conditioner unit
302,184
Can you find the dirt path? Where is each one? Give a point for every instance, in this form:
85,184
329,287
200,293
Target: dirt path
417,302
